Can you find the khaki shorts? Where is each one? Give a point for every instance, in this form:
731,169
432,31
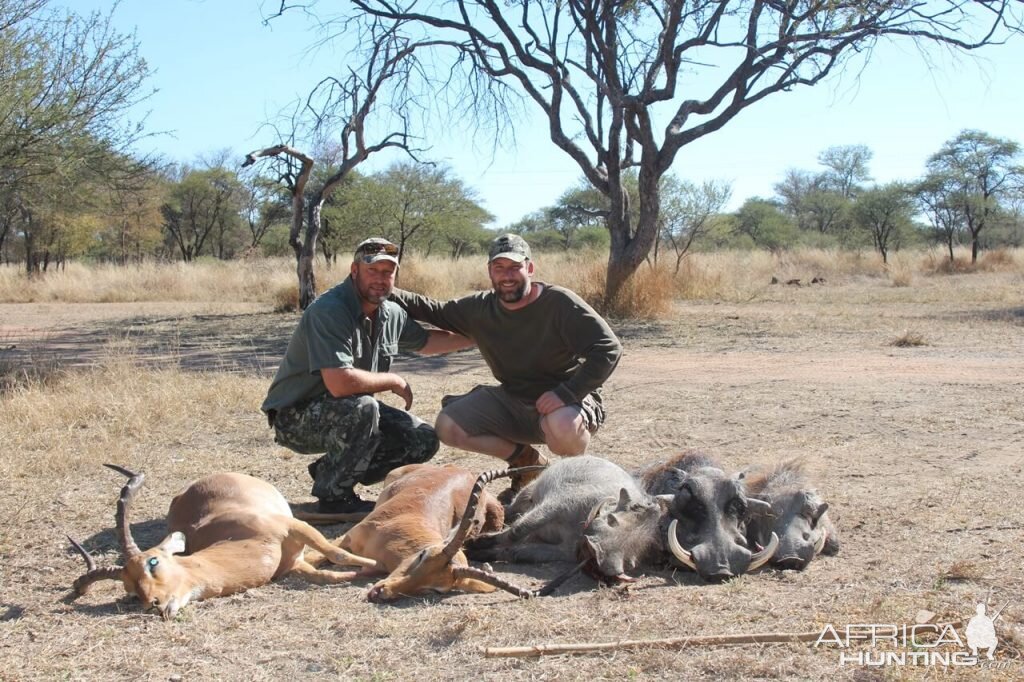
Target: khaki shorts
492,411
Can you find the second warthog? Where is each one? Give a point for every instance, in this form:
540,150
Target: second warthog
709,512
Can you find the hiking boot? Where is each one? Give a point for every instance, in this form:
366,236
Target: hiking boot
525,456
347,503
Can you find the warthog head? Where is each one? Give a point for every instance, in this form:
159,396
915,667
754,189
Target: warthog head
798,515
623,534
709,511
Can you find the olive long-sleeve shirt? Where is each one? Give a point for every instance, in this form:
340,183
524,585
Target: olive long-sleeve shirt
556,343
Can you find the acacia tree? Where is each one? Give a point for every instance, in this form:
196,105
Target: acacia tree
687,211
67,83
847,168
415,204
626,85
203,210
979,171
938,196
886,214
347,104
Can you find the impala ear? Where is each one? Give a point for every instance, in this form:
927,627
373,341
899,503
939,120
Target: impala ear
173,543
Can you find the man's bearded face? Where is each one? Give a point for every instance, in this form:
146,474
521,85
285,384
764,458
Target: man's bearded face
511,280
374,281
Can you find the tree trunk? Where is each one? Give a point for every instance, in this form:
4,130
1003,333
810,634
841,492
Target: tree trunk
306,253
628,250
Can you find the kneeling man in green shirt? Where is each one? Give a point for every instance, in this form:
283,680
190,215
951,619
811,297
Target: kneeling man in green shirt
339,357
549,350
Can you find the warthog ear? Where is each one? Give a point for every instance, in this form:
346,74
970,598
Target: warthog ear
818,513
624,500
664,501
756,506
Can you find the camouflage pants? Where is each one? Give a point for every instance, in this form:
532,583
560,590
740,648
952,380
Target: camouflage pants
362,440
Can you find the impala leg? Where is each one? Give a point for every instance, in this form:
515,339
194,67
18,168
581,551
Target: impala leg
319,576
311,537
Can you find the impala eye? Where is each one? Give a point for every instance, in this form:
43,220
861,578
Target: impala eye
152,563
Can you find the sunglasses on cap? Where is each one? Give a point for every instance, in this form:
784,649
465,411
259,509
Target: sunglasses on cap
374,248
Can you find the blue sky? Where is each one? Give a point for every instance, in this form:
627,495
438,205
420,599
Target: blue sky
220,72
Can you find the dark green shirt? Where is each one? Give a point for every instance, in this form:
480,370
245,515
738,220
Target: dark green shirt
556,343
334,333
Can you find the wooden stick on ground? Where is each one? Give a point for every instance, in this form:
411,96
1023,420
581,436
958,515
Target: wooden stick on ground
669,643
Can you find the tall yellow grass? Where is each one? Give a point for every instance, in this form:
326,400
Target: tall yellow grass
74,421
724,275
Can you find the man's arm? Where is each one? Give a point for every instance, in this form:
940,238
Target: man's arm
349,381
444,315
440,342
594,342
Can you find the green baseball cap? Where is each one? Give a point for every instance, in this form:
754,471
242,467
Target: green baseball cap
510,246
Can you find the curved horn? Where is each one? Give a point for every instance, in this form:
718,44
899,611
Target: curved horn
677,550
457,537
121,519
761,558
92,574
496,581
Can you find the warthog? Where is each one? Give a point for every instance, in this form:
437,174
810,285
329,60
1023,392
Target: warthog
709,510
798,515
580,508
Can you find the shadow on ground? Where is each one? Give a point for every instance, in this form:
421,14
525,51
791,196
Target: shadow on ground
249,343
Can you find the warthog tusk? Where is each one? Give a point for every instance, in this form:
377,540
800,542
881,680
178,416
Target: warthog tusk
820,544
761,558
677,550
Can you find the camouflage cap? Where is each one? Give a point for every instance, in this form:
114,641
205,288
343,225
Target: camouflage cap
376,249
510,246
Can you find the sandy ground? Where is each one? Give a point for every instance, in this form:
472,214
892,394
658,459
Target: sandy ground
919,450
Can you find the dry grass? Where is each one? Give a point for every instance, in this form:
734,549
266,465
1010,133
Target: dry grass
918,454
909,339
720,276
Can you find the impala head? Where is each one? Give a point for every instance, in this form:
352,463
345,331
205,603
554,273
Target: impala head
442,567
155,576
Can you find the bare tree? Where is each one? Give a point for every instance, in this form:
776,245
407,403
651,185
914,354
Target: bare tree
346,103
603,73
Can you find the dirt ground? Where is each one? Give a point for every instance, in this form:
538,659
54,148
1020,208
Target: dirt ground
919,451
